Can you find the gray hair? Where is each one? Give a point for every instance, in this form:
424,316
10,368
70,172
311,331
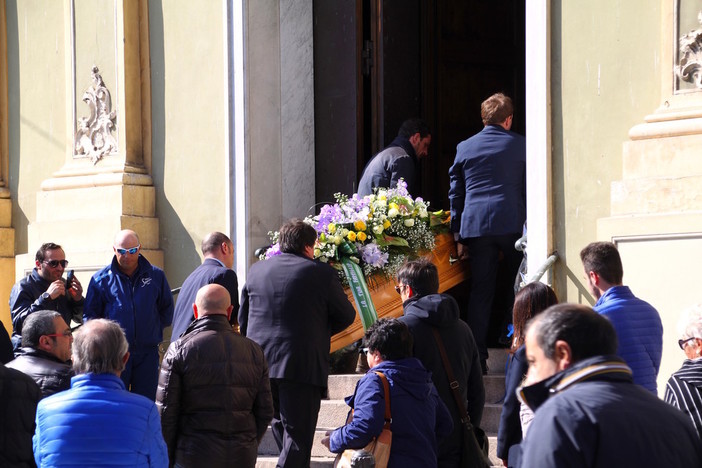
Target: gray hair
587,333
99,347
38,324
690,323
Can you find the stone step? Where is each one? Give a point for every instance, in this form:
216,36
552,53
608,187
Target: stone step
268,446
491,418
315,462
494,388
342,385
269,460
497,360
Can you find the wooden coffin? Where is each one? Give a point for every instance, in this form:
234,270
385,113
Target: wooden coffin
387,302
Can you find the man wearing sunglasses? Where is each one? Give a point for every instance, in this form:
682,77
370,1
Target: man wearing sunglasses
46,352
45,289
135,294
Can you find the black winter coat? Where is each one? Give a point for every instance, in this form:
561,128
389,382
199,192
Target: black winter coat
19,396
421,314
214,396
44,368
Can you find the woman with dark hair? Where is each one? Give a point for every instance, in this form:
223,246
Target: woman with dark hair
533,299
418,416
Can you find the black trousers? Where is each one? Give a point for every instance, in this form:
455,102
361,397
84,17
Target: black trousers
484,255
295,410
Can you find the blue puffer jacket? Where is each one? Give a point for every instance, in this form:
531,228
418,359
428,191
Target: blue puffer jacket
143,306
97,422
639,331
419,417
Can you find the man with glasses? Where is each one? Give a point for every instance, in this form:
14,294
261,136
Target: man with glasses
46,352
135,294
425,310
45,289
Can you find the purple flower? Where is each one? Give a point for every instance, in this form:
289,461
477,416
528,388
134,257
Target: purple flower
372,255
273,250
328,214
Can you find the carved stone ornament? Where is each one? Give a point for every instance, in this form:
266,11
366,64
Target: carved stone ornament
94,136
689,68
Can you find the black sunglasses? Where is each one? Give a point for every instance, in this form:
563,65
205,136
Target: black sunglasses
55,263
682,343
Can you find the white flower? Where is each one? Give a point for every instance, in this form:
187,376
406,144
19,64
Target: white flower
409,222
377,229
392,212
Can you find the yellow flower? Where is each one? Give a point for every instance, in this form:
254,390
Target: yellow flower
317,253
359,225
331,227
351,236
386,224
394,205
361,236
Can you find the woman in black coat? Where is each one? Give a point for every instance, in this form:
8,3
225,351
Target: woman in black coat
530,301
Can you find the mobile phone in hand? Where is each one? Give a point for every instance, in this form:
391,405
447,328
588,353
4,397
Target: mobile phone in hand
69,279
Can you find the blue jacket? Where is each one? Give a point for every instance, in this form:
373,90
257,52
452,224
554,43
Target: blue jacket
210,272
591,415
142,305
639,331
488,184
97,422
419,417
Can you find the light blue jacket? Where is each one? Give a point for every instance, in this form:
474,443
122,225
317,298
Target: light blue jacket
98,423
639,332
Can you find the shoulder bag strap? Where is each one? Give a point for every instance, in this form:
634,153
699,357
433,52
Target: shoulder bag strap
453,383
386,388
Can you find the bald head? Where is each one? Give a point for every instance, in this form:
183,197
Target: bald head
212,299
126,236
127,248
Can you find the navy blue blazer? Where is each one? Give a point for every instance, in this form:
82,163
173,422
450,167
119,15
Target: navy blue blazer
488,184
210,272
291,306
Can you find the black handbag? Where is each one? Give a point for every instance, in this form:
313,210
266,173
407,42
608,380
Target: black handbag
474,442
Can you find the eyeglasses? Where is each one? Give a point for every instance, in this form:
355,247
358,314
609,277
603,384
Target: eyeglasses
66,333
399,287
131,251
365,350
55,263
682,343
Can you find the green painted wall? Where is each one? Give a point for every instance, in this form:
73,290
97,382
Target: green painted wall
606,77
189,127
37,104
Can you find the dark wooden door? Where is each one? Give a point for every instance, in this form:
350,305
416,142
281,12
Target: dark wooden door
378,62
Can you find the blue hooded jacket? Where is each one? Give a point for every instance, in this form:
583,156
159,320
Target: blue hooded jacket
419,417
143,306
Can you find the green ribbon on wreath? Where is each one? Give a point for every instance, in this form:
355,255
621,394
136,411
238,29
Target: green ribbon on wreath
359,289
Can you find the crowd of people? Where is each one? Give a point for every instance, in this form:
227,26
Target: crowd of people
580,384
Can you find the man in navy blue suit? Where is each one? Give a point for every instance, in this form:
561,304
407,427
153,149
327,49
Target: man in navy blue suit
291,305
218,251
488,209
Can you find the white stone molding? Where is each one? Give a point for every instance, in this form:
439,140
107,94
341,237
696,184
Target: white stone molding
689,68
94,135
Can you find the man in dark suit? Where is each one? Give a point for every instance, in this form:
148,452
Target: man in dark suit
218,251
291,305
488,209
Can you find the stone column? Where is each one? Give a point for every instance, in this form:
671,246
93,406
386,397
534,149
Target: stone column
105,184
7,233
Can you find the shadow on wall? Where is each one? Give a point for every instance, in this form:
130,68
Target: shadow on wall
20,221
180,252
